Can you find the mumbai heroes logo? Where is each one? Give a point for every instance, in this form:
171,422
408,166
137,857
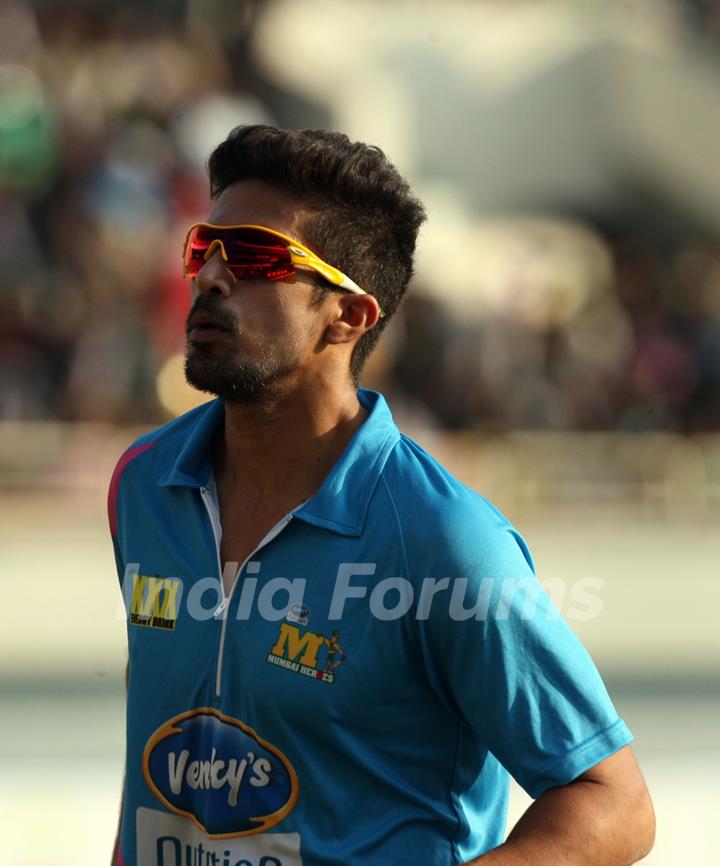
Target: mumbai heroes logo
154,601
307,653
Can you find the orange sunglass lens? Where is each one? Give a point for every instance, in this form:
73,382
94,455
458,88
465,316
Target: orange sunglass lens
251,254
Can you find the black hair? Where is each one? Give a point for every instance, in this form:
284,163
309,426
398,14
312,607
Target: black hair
362,217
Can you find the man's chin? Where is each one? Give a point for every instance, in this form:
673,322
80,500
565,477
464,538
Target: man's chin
247,384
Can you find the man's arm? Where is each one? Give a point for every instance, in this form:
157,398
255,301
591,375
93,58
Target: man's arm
603,818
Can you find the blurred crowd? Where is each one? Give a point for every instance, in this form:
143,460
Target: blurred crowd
705,14
637,350
107,114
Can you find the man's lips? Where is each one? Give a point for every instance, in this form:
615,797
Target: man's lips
204,327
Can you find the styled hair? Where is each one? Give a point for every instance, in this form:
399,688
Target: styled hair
362,217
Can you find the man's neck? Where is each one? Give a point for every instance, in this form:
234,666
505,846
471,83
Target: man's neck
285,450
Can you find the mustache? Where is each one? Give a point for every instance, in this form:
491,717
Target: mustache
216,309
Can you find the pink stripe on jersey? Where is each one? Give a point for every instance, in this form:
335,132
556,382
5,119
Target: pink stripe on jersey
129,455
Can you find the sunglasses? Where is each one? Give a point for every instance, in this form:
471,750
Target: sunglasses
257,253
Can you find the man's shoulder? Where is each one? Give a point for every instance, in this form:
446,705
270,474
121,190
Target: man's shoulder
428,490
169,438
440,517
158,448
149,458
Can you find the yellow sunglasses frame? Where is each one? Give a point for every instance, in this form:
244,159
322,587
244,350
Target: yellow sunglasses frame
299,255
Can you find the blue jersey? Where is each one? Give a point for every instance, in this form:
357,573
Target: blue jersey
384,659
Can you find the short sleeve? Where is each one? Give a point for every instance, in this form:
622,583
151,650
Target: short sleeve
513,670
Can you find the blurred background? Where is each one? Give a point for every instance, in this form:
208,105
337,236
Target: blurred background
560,350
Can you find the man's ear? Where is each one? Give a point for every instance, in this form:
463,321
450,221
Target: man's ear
353,316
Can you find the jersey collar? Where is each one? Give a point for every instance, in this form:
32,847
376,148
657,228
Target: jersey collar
342,501
194,463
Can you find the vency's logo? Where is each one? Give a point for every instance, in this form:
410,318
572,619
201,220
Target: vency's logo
154,601
218,772
307,653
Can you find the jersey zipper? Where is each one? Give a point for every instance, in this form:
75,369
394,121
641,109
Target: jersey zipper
214,515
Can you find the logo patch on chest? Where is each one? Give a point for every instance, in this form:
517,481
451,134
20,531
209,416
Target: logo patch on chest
307,653
154,601
218,772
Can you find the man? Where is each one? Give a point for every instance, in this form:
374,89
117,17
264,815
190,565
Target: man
253,531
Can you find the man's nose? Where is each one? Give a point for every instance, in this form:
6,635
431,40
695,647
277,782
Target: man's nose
214,278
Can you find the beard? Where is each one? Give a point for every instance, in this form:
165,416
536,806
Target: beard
249,383
221,370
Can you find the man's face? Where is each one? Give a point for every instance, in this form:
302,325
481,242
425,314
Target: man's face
267,334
